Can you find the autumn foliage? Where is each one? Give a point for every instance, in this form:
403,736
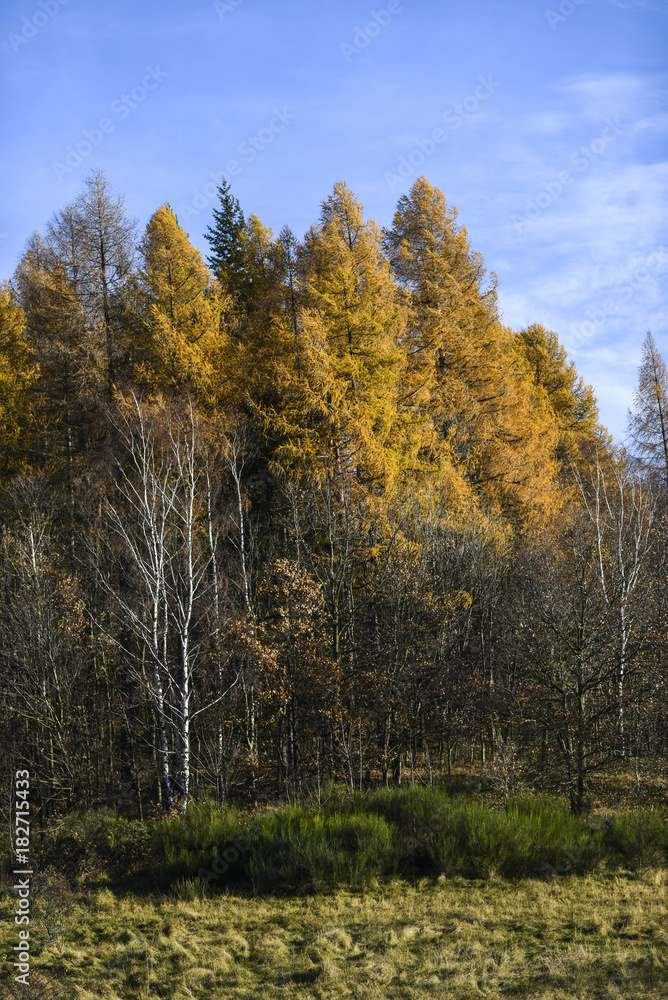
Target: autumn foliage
317,512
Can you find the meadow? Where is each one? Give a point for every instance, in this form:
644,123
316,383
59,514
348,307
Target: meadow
405,893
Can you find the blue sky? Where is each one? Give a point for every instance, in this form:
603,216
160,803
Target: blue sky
543,121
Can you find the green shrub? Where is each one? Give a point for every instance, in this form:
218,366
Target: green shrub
67,855
94,842
183,844
414,809
365,845
418,831
295,851
460,784
545,838
418,815
527,839
639,839
353,840
474,842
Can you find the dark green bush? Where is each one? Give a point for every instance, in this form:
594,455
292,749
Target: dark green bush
545,838
189,842
414,810
527,839
295,851
638,839
471,844
426,833
94,842
461,784
418,815
353,840
67,855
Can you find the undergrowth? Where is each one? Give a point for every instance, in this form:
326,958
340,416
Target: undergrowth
354,841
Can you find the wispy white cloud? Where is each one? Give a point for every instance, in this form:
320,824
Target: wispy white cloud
591,257
650,5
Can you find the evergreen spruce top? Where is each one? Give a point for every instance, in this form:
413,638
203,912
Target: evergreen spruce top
224,237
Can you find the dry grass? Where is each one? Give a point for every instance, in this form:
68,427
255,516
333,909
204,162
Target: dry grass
573,938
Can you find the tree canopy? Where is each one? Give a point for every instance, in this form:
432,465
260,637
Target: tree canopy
313,510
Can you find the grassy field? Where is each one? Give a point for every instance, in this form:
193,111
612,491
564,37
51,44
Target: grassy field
409,893
574,937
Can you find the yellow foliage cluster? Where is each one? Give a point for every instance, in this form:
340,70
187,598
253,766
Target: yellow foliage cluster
371,362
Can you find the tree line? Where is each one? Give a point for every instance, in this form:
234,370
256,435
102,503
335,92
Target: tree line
312,511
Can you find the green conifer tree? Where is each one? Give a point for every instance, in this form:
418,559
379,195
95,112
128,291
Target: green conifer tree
225,238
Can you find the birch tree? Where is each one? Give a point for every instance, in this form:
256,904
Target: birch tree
158,517
621,514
